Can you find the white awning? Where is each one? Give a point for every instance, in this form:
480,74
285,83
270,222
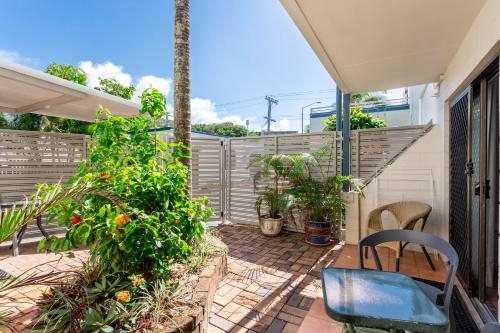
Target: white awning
370,45
24,90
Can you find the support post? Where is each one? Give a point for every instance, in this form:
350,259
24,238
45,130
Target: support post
346,133
338,110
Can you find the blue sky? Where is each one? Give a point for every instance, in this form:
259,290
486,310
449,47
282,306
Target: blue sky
240,50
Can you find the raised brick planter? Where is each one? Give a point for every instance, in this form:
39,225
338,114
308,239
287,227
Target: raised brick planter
197,321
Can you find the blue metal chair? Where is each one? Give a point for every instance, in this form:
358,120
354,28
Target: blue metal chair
491,327
441,297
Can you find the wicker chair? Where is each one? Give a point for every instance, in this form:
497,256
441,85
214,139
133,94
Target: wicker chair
410,215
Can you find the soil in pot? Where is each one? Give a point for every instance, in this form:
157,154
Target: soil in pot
318,233
270,226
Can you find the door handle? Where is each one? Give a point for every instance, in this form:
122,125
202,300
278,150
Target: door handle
477,189
486,190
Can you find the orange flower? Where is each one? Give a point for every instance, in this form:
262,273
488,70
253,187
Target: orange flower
137,280
123,296
76,219
104,176
121,220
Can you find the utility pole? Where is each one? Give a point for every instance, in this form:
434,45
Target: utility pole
248,124
270,102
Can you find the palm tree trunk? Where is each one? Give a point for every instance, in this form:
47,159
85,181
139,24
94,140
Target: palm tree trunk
182,82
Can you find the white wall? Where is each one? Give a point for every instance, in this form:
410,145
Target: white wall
481,38
425,164
412,177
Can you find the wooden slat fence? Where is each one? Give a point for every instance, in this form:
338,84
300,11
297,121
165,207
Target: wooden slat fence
242,151
207,176
28,158
371,151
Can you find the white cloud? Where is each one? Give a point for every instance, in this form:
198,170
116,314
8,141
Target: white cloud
281,125
162,84
204,111
13,56
108,70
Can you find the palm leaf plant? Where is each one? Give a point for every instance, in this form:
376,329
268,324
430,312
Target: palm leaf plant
267,184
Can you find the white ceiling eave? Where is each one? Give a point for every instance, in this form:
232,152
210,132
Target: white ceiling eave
369,45
24,90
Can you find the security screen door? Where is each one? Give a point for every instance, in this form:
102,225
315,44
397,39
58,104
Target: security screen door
474,183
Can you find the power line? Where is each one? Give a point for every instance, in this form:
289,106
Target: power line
284,94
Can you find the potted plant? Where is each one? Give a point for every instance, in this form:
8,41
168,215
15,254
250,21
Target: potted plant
316,193
270,194
323,205
272,222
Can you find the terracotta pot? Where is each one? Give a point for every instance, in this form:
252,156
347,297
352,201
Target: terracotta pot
270,226
318,233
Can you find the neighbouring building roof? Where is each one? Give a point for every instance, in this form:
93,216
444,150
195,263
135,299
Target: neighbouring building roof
25,90
369,45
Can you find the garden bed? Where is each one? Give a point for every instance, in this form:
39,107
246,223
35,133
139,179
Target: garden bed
196,318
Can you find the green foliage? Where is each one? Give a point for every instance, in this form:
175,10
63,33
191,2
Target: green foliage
26,122
359,120
67,72
315,188
113,87
225,129
3,121
96,300
270,193
158,221
311,184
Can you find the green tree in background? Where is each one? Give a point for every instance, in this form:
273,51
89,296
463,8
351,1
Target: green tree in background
226,129
113,87
359,120
67,72
3,121
26,122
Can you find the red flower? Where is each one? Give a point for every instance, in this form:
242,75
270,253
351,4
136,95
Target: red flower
110,235
121,231
77,219
104,176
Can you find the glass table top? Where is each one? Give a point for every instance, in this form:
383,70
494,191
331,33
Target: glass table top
379,299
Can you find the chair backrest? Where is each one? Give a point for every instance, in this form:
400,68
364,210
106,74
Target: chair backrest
404,209
491,327
415,237
409,211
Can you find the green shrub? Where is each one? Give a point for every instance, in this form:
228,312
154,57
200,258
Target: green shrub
359,120
156,221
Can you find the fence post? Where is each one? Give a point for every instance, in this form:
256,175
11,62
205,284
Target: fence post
346,136
358,153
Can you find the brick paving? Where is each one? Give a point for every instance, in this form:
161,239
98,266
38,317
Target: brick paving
271,282
271,286
20,302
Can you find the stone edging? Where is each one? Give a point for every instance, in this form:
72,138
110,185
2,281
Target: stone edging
210,276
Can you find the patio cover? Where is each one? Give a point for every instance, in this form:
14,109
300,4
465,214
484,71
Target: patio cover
25,90
370,45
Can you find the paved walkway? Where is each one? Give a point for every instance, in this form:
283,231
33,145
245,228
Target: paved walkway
271,282
21,302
